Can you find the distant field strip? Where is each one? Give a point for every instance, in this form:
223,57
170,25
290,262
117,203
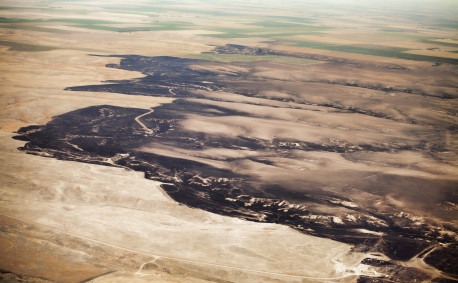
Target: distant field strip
16,46
250,58
18,23
394,52
33,28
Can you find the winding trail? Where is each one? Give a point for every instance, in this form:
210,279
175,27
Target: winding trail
172,92
137,119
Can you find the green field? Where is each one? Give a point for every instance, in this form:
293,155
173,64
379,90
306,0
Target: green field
156,27
14,8
16,46
33,28
16,23
63,20
448,44
251,58
393,33
271,32
140,9
394,52
276,24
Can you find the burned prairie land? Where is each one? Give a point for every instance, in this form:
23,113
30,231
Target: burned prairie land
228,141
367,159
